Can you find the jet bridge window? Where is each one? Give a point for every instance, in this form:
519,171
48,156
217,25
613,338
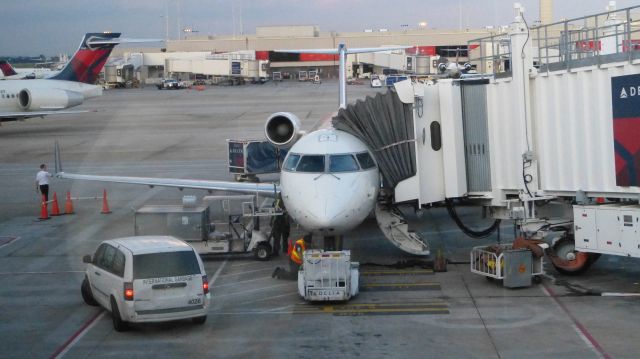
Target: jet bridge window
366,162
291,162
311,163
343,163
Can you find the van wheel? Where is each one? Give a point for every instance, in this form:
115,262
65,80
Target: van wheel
87,296
118,324
199,320
263,250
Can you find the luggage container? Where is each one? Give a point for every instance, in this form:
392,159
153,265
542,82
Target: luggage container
328,276
515,267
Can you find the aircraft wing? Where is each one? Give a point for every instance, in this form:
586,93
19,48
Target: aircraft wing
28,114
243,187
227,186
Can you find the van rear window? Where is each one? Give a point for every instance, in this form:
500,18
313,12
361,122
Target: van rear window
168,264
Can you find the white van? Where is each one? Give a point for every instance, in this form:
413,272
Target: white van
147,279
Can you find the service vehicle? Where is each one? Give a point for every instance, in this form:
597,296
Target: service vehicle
170,84
375,81
146,279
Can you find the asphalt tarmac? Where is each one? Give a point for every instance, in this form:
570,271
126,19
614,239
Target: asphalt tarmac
401,312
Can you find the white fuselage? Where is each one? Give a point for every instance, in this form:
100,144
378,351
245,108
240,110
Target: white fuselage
335,196
32,73
10,89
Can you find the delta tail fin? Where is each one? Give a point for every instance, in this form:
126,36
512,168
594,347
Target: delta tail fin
87,62
7,69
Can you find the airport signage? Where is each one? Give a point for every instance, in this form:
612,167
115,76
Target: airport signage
625,102
236,68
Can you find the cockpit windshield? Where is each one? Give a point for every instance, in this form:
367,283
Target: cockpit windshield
311,163
334,163
343,163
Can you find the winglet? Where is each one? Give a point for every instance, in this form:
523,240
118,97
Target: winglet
56,156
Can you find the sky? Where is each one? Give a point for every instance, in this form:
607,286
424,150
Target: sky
50,27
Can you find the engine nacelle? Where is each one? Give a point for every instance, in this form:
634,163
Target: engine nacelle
282,129
36,99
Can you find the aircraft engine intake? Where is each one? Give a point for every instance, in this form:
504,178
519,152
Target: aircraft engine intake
282,129
48,99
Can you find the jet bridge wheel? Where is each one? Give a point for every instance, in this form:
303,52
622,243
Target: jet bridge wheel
567,260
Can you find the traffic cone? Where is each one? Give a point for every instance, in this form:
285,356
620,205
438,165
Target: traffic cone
105,203
55,210
68,205
43,210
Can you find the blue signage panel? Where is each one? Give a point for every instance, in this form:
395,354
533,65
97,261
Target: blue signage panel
235,68
625,101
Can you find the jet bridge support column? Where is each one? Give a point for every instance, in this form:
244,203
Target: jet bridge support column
521,69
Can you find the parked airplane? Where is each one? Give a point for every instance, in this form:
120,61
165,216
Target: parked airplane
329,182
70,87
11,73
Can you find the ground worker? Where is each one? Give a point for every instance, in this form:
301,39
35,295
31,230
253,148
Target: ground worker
296,256
42,182
280,228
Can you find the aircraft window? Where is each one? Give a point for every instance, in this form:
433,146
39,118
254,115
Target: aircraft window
311,163
291,162
342,163
365,160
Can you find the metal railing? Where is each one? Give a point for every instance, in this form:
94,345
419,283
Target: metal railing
611,36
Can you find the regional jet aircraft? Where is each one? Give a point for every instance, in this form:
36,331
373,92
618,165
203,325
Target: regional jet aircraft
70,87
329,182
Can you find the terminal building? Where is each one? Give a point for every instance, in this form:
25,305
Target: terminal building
208,57
196,57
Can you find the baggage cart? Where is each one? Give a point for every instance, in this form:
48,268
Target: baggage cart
328,276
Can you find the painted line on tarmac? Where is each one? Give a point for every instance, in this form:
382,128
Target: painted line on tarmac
8,240
580,329
396,272
77,335
217,273
269,298
389,287
38,273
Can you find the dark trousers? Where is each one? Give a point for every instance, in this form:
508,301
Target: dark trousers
280,241
44,189
291,274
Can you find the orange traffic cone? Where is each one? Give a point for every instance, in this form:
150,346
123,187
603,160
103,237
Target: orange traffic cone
105,203
43,210
68,205
55,210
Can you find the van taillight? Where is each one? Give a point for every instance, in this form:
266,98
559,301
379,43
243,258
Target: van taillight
128,291
205,284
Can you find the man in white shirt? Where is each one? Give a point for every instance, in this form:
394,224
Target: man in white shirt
42,182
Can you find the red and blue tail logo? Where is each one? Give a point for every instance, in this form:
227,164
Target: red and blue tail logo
88,61
7,69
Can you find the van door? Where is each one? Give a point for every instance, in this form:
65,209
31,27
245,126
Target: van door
169,282
96,277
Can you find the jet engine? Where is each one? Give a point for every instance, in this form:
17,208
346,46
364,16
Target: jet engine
282,129
36,99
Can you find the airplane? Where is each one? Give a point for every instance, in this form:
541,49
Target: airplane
11,73
329,181
68,88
